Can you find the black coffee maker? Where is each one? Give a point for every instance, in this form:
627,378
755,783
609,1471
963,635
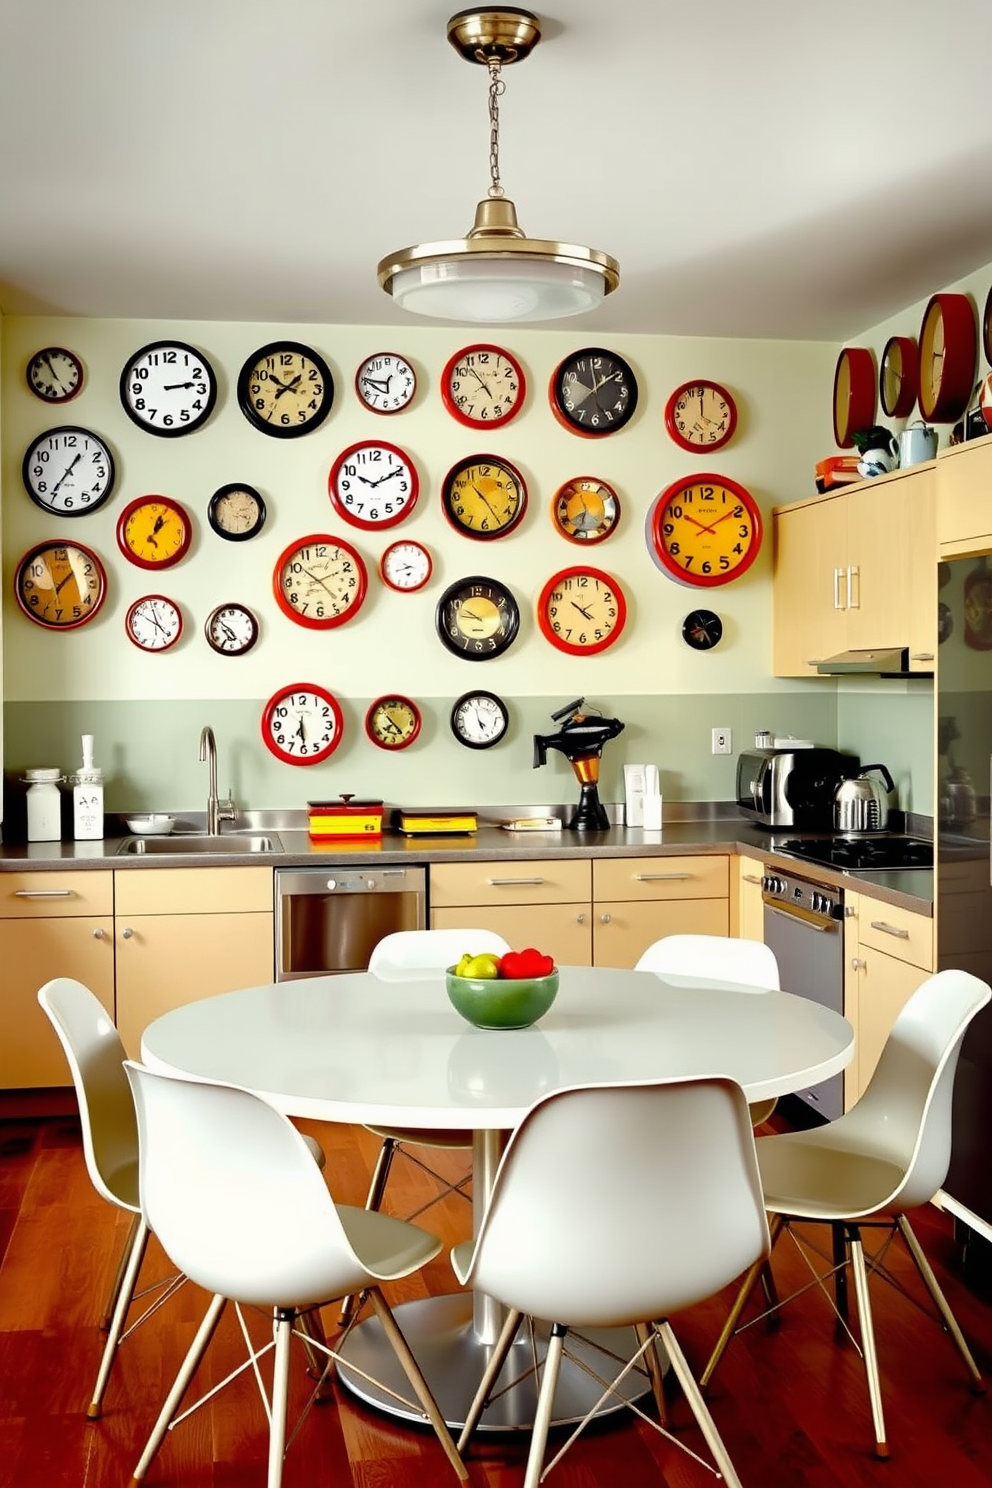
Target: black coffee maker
580,739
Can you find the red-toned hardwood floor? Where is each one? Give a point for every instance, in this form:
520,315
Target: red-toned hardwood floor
791,1405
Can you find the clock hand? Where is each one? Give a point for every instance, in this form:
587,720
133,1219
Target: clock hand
484,386
583,612
61,582
287,387
55,376
378,384
300,730
66,472
170,387
228,632
156,622
486,502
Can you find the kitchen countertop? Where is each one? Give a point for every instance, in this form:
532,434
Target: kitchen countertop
910,888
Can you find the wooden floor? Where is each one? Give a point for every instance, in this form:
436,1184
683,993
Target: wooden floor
791,1405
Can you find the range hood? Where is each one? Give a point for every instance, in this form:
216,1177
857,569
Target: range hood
876,662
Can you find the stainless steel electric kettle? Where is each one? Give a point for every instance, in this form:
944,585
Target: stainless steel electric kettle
862,804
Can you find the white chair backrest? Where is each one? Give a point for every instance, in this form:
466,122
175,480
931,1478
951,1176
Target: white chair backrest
722,957
413,954
904,1114
96,1057
231,1189
622,1203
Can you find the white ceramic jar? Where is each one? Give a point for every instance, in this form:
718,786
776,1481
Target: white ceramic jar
44,805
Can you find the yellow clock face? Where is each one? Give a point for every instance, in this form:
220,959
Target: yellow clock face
285,389
706,530
585,510
60,585
484,498
393,722
154,532
582,611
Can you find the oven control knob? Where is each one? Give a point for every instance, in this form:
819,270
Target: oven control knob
370,883
332,883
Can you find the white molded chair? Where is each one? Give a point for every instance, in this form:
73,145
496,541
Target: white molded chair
230,1188
96,1057
889,1153
725,958
616,1205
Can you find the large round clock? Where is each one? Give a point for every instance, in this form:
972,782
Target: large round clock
60,585
484,497
477,618
68,471
854,394
899,376
948,353
701,415
593,392
373,485
706,530
320,581
285,389
302,724
581,611
483,385
154,531
168,388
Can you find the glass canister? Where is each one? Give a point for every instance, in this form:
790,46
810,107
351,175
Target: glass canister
44,805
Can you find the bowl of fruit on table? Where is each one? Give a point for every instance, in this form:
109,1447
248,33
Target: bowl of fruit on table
508,991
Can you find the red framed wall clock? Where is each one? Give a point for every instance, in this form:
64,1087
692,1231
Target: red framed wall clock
373,485
899,377
706,530
701,415
154,623
483,385
320,581
60,585
154,532
855,386
948,354
302,724
582,611
406,566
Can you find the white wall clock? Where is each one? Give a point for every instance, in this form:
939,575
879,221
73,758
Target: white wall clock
479,719
302,724
373,485
406,566
154,623
168,388
68,471
231,629
385,382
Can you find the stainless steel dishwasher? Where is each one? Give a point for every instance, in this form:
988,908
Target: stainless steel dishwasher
328,919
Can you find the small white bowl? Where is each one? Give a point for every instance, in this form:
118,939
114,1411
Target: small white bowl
150,826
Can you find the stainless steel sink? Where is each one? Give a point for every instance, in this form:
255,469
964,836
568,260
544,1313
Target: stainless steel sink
203,845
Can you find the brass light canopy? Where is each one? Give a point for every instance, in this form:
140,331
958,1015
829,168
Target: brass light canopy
495,274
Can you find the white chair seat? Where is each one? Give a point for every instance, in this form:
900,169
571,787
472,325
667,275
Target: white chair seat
818,1180
425,1136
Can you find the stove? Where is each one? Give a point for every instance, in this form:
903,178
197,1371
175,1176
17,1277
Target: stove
861,854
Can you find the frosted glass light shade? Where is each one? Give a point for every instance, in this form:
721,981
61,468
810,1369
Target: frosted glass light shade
494,290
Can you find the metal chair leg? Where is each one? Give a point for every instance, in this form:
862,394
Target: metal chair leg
413,1373
652,1364
860,1273
374,1201
280,1397
940,1301
187,1369
134,1255
496,1361
840,1269
697,1405
545,1405
109,1307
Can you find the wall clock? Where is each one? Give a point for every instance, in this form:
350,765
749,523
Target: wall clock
477,618
236,512
479,719
154,532
285,389
483,385
373,485
302,724
54,374
60,585
385,382
987,327
854,394
701,415
168,388
484,497
393,722
948,349
581,611
68,471
231,629
320,581
702,630
706,530
154,623
585,509
593,392
405,566
899,376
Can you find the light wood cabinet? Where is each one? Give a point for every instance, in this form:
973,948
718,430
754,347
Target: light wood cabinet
544,903
964,499
889,952
638,900
747,910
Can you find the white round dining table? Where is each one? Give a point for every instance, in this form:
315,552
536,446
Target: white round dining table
392,1051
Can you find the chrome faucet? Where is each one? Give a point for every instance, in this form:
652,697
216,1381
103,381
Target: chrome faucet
217,810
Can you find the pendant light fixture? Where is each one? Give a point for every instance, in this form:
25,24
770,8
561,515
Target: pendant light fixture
495,274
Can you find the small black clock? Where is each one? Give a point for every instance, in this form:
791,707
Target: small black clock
702,630
477,618
236,512
593,392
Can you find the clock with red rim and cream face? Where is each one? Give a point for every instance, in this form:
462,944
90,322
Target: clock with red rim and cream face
855,387
701,415
483,385
582,611
948,344
302,724
373,485
320,581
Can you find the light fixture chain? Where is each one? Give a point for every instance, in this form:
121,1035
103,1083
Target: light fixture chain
496,88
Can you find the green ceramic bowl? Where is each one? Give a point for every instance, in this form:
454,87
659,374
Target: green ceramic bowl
497,1002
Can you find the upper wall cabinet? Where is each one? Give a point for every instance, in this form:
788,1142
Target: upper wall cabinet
964,499
856,571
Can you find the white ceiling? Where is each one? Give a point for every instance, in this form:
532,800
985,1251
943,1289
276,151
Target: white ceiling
784,169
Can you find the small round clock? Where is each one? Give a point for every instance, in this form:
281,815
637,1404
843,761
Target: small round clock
854,394
236,512
593,392
320,581
154,623
60,585
373,485
899,376
54,374
701,415
706,530
702,630
479,719
405,566
483,385
393,722
585,509
581,611
231,629
948,350
285,389
168,388
154,532
302,724
484,497
477,618
385,382
68,471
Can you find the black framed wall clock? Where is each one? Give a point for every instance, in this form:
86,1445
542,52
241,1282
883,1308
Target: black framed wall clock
385,382
236,512
54,374
285,389
68,471
60,585
484,497
702,630
593,392
701,415
582,611
477,618
482,385
320,581
479,719
154,623
168,388
373,485
302,724
231,629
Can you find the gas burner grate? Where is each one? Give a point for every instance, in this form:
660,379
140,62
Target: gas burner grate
862,853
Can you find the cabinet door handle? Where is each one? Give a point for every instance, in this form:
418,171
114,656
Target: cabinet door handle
98,934
44,893
890,929
852,572
580,919
502,883
838,603
659,877
605,919
857,964
127,932
751,878
921,656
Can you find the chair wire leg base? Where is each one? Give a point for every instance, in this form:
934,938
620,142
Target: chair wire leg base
545,1402
940,1301
377,1188
187,1369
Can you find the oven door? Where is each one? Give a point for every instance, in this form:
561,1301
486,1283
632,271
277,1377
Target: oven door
809,949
